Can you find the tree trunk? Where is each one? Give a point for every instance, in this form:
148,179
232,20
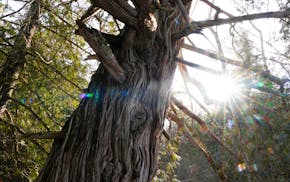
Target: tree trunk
114,133
16,57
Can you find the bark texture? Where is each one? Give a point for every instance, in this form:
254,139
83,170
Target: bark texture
16,57
114,133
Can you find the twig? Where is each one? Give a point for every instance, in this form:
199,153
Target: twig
203,125
197,143
218,9
210,23
199,67
32,112
44,135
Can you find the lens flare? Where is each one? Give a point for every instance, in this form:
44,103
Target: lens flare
241,167
221,88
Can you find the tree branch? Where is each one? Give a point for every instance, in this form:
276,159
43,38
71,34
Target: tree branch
199,86
32,112
116,11
209,23
23,133
199,67
104,52
218,9
197,143
264,74
203,125
142,6
211,54
44,135
124,4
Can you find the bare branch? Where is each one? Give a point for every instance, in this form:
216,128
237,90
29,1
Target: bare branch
209,23
103,51
166,134
264,74
218,9
117,11
14,12
183,11
203,125
273,14
44,135
124,4
199,86
90,11
199,67
211,55
197,143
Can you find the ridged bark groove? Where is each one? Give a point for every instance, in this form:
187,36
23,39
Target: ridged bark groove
114,135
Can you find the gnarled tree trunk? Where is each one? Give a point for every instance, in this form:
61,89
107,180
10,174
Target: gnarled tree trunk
114,133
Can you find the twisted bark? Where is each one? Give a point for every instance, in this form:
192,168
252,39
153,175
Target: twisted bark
114,133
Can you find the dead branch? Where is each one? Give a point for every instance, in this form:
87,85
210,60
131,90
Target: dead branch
211,54
44,135
218,9
199,86
199,67
197,143
106,56
209,23
203,125
124,4
264,74
166,134
183,11
117,11
273,14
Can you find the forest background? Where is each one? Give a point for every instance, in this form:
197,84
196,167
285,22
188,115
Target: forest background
228,117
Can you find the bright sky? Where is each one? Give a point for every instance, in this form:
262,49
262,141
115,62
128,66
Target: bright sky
224,88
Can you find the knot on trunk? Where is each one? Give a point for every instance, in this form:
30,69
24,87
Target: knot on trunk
140,117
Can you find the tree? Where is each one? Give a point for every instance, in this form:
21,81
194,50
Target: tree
115,130
114,133
16,58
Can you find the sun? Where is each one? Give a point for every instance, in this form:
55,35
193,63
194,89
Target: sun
221,88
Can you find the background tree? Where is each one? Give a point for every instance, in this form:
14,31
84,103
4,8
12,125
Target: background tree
47,90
